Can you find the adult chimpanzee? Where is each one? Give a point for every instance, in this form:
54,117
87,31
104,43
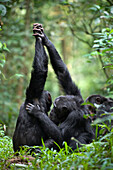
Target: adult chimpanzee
101,108
67,110
31,130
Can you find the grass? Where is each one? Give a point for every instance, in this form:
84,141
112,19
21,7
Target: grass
97,155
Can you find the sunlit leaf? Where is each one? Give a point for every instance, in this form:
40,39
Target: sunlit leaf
0,45
96,45
109,66
106,13
111,31
108,49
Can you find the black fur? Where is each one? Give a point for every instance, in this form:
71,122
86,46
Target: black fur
30,129
68,112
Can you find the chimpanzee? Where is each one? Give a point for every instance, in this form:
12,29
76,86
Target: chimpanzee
68,111
31,130
101,108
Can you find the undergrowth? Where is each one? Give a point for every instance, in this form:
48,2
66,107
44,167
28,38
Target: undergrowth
97,155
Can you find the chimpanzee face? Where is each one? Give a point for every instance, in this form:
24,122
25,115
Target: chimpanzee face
101,105
63,105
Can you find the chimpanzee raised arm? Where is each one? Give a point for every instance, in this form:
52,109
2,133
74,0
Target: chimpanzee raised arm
67,109
39,73
61,71
59,67
31,128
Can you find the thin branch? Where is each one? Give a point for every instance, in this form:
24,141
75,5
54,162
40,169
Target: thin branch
104,69
87,42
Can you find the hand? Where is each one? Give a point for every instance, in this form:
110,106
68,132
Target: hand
38,31
32,108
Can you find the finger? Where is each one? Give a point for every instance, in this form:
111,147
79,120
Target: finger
29,104
37,34
37,25
38,106
29,108
42,29
35,30
38,29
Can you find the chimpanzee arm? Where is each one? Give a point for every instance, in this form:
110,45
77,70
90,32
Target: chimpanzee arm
47,125
60,69
39,73
77,126
69,124
49,128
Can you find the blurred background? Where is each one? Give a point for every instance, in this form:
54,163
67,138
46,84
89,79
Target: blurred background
81,31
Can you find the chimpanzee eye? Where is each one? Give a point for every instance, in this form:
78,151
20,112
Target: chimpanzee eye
98,100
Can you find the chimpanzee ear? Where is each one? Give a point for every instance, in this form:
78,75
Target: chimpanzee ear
98,100
49,97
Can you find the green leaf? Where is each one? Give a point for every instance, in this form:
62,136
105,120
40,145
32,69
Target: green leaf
2,62
87,103
1,45
5,47
106,13
95,45
93,8
1,65
111,66
111,31
108,49
88,61
97,6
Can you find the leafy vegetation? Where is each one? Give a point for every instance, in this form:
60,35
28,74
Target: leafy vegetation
97,155
77,28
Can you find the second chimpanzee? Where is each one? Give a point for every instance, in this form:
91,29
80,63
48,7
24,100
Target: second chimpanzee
31,130
100,108
68,111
